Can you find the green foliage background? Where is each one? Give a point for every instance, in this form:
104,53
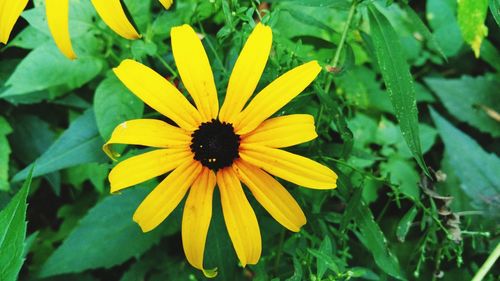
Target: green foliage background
406,114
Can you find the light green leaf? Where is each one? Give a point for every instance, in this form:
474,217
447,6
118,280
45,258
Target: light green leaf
476,169
79,144
402,173
114,104
107,236
29,38
13,233
441,15
471,17
399,82
45,68
374,240
495,10
405,223
470,100
5,129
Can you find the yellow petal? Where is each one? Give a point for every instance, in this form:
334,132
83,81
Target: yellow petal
194,69
196,219
240,219
58,20
112,13
271,195
166,3
10,10
275,96
158,93
147,132
166,196
283,131
291,167
246,72
146,166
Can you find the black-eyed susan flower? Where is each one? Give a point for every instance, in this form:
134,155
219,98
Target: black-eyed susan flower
57,11
236,144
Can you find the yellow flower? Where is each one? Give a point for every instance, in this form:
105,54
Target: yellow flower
222,147
57,11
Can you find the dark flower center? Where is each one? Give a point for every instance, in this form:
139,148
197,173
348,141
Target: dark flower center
215,144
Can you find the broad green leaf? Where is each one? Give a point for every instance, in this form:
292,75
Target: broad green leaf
398,80
29,38
94,172
114,104
13,234
424,31
79,144
471,100
107,236
140,13
476,168
471,17
374,240
405,224
5,129
402,173
46,69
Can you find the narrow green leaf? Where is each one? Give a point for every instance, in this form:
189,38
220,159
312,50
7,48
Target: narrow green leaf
374,240
476,169
405,224
114,104
490,54
471,17
424,31
398,80
5,129
495,10
79,144
13,234
470,99
107,236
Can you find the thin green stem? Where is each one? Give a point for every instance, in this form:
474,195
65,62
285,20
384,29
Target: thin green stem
343,38
488,264
256,10
167,66
212,48
280,250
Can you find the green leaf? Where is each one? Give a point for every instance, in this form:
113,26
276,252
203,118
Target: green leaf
337,4
114,104
79,144
424,31
399,82
107,236
490,54
13,234
29,38
476,169
441,15
45,68
471,17
470,100
374,240
5,129
405,224
402,173
495,10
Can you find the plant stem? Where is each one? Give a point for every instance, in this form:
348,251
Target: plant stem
344,33
490,261
167,66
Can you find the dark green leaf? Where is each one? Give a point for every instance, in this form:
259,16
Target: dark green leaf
13,233
471,100
374,240
490,54
5,129
107,236
405,223
114,104
79,144
399,82
476,169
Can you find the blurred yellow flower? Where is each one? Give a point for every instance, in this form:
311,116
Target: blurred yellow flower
57,11
236,144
